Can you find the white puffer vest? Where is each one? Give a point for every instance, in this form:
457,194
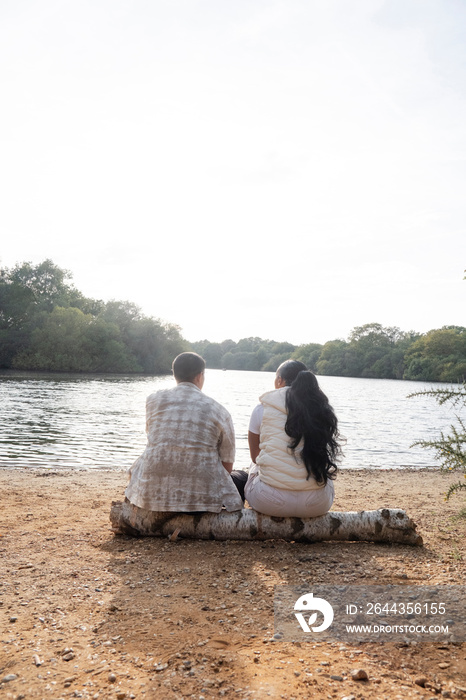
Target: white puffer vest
278,466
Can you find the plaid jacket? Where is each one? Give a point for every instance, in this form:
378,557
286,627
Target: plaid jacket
189,435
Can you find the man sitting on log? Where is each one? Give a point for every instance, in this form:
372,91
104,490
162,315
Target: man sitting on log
190,449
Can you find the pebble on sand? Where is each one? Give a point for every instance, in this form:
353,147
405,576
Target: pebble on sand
359,674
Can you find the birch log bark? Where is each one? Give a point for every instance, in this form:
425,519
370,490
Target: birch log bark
384,525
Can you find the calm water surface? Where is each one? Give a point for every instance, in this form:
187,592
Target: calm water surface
87,421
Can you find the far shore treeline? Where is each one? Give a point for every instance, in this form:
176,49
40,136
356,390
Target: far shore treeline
46,324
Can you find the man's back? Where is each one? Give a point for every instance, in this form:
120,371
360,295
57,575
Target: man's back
189,436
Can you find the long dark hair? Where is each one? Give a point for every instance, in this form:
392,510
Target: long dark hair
312,420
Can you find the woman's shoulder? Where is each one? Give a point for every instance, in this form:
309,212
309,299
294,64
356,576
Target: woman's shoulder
275,398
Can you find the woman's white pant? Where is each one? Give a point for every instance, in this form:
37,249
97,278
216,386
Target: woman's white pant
283,503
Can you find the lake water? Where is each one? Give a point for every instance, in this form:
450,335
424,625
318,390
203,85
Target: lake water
68,421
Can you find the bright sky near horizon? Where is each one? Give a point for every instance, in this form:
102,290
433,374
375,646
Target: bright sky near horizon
287,169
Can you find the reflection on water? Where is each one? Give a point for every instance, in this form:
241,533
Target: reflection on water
88,421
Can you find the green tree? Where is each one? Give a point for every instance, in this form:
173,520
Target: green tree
309,354
35,288
26,292
249,344
438,356
47,324
282,348
450,448
251,361
15,302
274,362
155,344
70,341
122,313
213,354
332,359
151,343
199,346
106,352
227,345
374,351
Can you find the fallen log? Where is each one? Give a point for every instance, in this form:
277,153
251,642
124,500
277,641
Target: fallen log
384,525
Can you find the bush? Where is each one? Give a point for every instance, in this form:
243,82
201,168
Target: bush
450,449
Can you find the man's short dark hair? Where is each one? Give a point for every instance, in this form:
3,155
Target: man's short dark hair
187,366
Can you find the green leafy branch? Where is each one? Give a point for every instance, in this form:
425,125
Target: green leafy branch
450,448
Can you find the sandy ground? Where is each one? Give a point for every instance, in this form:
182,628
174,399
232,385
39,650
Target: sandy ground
87,614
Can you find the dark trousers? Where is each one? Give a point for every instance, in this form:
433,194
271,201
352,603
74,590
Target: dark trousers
240,478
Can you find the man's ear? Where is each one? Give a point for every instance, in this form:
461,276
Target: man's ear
199,380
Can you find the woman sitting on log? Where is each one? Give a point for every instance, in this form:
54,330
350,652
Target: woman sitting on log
293,442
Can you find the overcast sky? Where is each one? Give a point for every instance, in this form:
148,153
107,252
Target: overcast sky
285,169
